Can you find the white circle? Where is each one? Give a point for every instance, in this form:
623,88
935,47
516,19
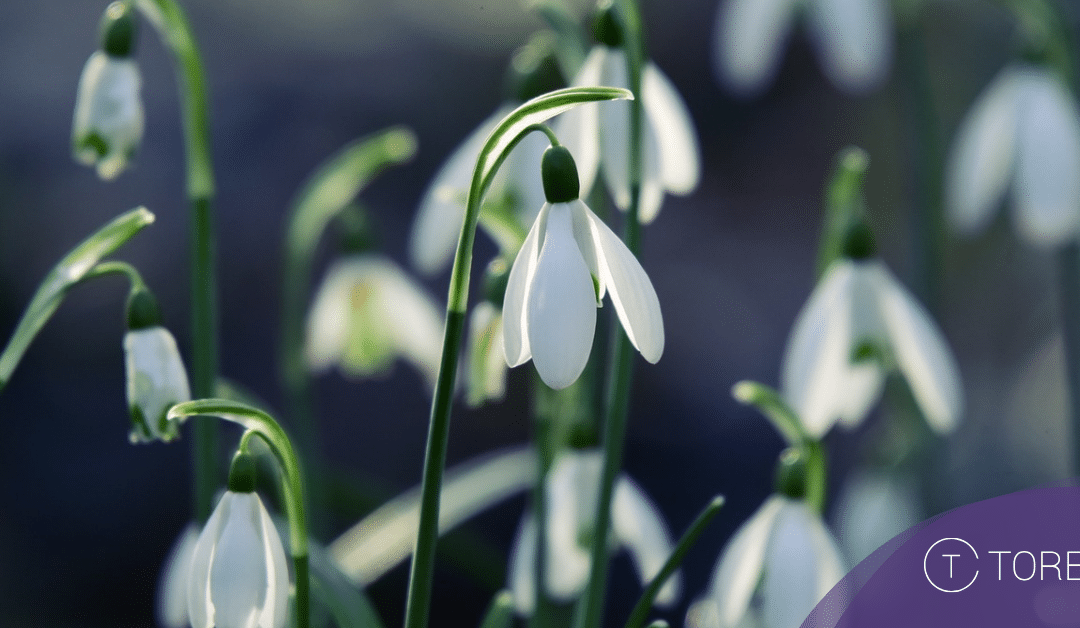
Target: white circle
927,574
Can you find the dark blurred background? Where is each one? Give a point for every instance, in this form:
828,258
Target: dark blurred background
86,519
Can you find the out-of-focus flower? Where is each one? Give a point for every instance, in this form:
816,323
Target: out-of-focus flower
872,508
486,374
599,134
172,603
571,490
858,323
366,314
1022,134
108,123
156,380
239,577
774,570
569,260
854,40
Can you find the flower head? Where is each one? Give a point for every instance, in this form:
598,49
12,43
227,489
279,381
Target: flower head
239,577
108,123
859,321
598,134
569,260
156,380
571,490
1022,134
853,38
773,571
367,313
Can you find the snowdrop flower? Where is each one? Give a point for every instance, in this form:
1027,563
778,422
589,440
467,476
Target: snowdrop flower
366,314
569,260
774,570
172,610
239,577
571,490
108,123
871,509
853,38
858,321
1023,134
156,379
599,134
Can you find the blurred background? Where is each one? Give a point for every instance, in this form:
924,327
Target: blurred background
86,519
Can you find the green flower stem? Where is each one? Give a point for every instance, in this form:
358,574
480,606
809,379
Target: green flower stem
645,603
172,25
105,269
291,481
589,611
502,140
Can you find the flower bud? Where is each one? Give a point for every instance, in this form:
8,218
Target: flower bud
118,30
560,175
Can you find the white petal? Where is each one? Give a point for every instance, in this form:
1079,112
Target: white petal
156,379
639,527
411,318
327,322
172,597
739,569
438,222
238,571
749,42
667,114
981,160
871,509
615,131
560,315
515,335
200,603
1047,190
921,354
631,291
579,128
276,606
572,488
652,184
108,106
523,566
854,38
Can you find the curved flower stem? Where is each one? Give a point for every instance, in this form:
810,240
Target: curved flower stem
589,611
269,430
114,267
172,25
502,140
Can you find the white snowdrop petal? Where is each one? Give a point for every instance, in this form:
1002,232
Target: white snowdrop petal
523,566
412,320
854,39
673,128
238,572
515,334
789,583
740,565
639,527
813,364
830,564
200,604
587,245
327,322
156,379
1046,193
571,489
981,160
631,291
109,107
172,596
922,354
438,221
871,509
560,311
651,194
579,128
275,608
750,36
614,130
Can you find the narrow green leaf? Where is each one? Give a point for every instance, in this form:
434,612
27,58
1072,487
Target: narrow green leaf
68,272
645,603
500,613
769,402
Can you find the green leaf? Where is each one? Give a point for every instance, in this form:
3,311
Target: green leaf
769,402
645,603
385,537
500,613
68,272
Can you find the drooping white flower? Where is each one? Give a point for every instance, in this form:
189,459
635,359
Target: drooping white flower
156,380
549,312
858,321
872,507
108,123
599,134
437,226
1023,135
172,603
239,577
775,569
571,490
854,40
366,314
